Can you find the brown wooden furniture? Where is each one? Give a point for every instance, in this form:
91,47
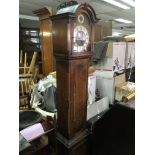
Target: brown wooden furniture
26,79
102,30
73,36
25,84
113,132
46,39
45,143
30,42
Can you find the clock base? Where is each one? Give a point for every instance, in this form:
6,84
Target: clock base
79,145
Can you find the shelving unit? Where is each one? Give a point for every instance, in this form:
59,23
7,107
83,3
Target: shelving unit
43,144
30,42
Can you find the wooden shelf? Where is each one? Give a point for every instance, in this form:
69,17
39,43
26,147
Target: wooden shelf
30,42
42,144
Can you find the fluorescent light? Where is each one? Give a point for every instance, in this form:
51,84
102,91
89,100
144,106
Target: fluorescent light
130,36
130,2
33,31
116,33
123,21
117,4
28,17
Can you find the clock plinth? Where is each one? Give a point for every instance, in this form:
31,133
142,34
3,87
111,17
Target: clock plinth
72,77
78,145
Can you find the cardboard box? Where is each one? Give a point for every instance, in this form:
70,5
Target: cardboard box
105,84
97,107
124,89
92,86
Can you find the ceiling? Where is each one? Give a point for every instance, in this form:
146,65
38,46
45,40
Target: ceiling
104,11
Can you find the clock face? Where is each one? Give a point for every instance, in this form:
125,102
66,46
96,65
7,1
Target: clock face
81,37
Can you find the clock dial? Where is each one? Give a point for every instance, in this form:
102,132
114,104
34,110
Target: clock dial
81,39
81,36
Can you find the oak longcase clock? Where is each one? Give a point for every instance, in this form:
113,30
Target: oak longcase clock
73,36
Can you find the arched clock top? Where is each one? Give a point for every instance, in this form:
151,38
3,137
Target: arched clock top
87,9
80,8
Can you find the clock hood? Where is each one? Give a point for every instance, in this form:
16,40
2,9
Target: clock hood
79,7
